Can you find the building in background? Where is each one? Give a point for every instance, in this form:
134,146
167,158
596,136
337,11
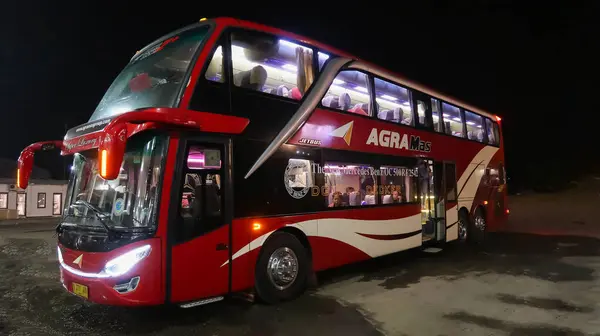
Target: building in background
42,198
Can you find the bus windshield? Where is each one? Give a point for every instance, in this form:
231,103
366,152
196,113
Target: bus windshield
126,202
154,77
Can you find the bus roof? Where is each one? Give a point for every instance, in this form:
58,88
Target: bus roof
228,21
383,72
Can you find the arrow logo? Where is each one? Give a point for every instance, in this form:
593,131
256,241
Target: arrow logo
78,260
344,132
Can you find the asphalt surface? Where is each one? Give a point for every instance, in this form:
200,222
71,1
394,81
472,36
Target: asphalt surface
521,283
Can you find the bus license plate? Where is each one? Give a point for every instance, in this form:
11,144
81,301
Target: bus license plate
80,290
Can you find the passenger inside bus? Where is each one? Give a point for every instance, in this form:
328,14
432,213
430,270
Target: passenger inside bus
337,200
266,63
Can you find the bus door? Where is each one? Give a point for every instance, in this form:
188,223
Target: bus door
432,189
451,202
200,219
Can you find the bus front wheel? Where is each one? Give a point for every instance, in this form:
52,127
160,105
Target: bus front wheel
282,269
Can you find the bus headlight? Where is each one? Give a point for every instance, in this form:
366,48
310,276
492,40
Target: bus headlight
125,262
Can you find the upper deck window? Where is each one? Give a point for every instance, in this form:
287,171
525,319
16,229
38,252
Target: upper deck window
493,132
269,64
154,77
436,115
393,102
453,120
475,129
349,92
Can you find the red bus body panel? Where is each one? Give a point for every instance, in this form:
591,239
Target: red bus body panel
150,290
198,270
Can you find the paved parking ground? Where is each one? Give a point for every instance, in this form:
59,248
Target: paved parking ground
539,283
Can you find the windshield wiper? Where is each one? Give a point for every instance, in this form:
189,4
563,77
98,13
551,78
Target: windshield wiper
100,215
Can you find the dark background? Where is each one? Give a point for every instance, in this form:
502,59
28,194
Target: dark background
535,66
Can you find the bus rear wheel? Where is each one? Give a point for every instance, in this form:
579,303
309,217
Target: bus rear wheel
464,227
479,227
282,269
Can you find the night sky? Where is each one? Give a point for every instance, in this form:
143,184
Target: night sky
536,67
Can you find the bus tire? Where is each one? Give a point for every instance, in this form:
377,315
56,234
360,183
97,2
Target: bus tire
282,269
478,229
464,227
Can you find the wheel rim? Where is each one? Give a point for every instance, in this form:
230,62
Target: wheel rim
479,223
282,268
462,229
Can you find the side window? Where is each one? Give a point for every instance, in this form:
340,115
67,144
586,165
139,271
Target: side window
266,63
497,134
492,132
322,58
422,110
41,200
398,184
475,129
3,200
201,207
450,182
349,185
393,102
453,123
349,92
214,72
289,182
438,125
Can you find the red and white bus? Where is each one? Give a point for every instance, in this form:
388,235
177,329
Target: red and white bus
229,156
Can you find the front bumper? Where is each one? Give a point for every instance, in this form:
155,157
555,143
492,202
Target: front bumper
141,286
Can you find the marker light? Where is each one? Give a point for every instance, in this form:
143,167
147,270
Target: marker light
203,19
256,226
103,159
498,118
125,262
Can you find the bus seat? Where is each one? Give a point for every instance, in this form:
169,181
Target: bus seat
330,101
385,115
344,101
253,79
397,115
282,91
370,199
354,198
480,135
295,93
448,128
360,109
387,199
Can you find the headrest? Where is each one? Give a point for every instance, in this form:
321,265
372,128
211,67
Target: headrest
385,115
387,199
283,91
344,101
398,114
295,94
253,79
358,109
330,101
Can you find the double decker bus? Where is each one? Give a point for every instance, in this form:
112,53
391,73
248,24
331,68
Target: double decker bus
229,156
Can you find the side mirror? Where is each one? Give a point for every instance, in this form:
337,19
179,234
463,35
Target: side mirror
25,162
24,167
112,150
